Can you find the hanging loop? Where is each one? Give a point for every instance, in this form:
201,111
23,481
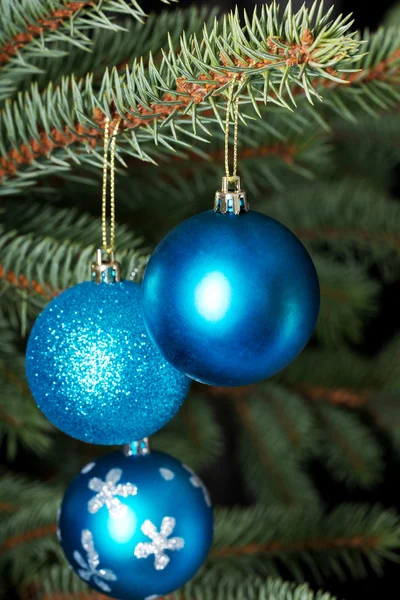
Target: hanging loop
231,198
106,269
108,246
229,177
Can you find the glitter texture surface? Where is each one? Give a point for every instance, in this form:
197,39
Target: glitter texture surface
156,542
93,370
89,568
242,300
106,494
160,541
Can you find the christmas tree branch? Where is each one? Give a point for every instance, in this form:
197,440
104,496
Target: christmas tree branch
21,421
285,151
373,241
344,537
342,377
348,397
116,48
266,56
7,507
194,435
24,538
355,542
21,282
234,587
175,91
86,595
294,429
51,22
360,235
28,26
348,298
351,451
336,396
242,588
271,463
78,237
35,30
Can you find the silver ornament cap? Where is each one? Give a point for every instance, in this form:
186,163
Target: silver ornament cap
138,448
105,271
231,198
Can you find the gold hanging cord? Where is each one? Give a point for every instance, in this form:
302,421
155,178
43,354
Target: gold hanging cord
231,178
231,197
109,246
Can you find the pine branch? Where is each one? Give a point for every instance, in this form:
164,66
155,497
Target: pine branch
41,29
335,370
193,436
239,588
27,27
339,378
115,48
336,396
345,540
21,282
21,421
348,298
182,92
271,460
49,22
234,587
81,595
158,101
374,86
352,453
282,429
365,229
25,538
32,227
280,145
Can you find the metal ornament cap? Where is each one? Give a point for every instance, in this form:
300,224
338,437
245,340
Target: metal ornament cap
105,271
137,448
231,201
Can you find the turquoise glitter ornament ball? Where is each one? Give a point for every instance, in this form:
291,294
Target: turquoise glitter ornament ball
94,372
136,527
230,299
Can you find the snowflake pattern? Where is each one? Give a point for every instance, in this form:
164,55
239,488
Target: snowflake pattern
159,543
197,482
89,567
88,468
166,474
106,492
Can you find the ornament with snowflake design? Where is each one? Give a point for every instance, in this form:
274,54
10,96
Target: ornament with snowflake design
134,526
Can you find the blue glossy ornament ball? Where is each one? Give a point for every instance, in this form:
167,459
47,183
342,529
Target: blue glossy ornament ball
94,372
136,527
230,299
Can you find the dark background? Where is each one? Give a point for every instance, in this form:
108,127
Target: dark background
366,14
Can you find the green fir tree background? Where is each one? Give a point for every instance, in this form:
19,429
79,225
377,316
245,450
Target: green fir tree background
302,468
